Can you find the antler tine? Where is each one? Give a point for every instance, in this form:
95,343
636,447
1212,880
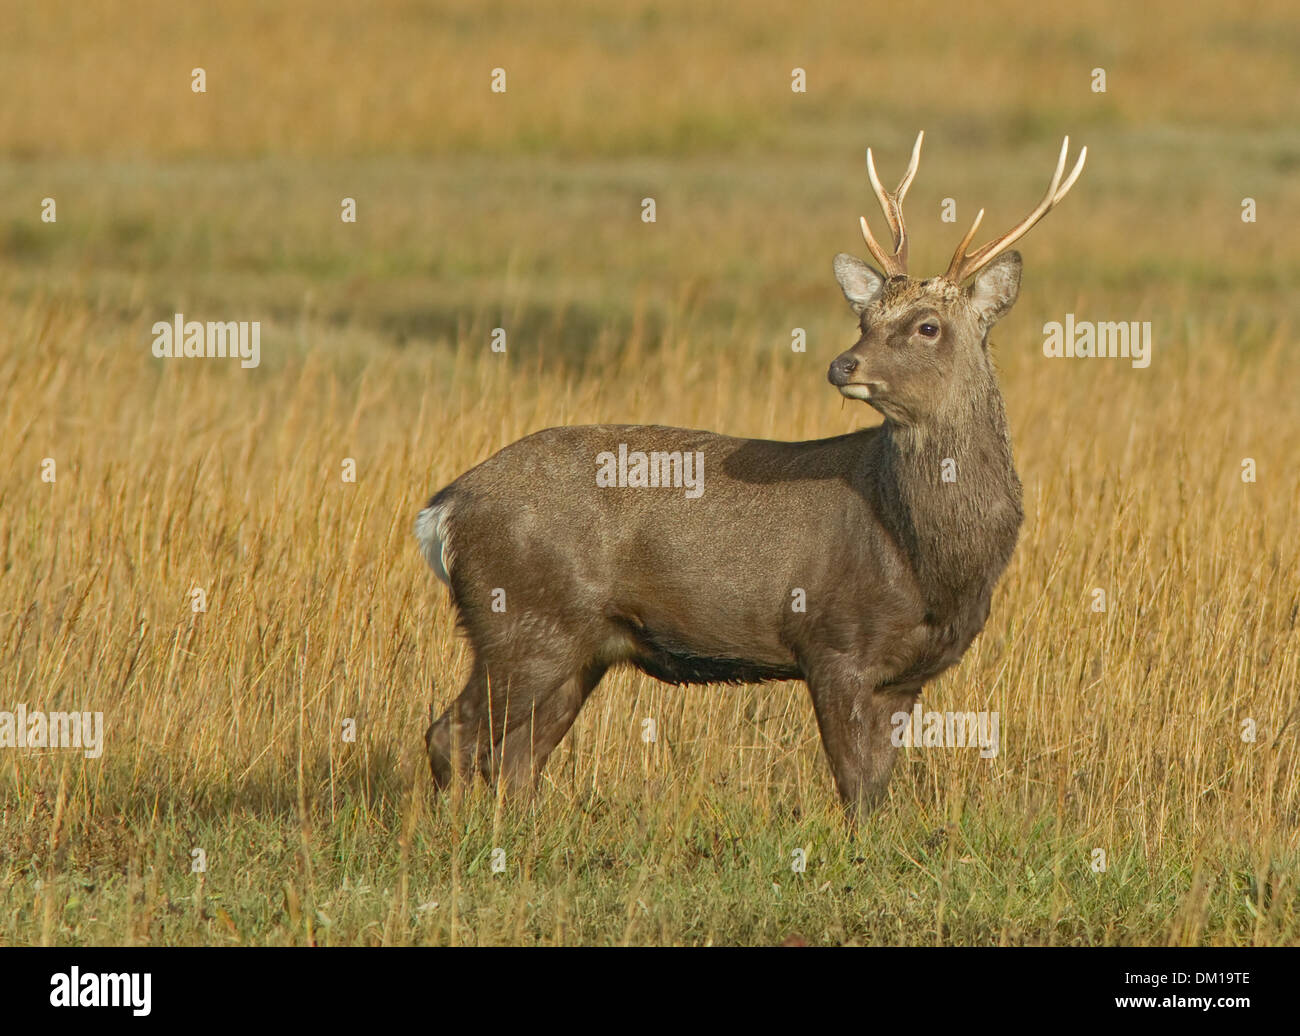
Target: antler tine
895,263
966,264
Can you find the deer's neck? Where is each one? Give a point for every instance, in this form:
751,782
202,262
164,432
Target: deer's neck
951,495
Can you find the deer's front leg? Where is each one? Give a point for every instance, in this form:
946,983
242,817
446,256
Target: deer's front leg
856,723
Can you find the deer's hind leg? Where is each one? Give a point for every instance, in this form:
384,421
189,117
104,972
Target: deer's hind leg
536,723
508,720
457,739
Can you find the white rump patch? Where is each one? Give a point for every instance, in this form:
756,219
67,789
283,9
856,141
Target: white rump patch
431,531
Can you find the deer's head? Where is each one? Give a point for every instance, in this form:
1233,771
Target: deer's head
923,343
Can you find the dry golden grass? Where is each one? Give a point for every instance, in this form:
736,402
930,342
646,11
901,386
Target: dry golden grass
1120,730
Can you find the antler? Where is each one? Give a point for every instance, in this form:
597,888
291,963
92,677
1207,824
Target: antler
965,264
895,263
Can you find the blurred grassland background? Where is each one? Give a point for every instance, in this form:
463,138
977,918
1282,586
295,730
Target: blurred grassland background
1120,730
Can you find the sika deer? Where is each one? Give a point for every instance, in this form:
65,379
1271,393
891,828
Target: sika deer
577,548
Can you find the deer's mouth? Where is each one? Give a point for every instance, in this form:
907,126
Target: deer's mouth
862,392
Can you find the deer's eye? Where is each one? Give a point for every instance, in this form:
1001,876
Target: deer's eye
929,330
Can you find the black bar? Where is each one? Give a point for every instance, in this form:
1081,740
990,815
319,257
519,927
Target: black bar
498,986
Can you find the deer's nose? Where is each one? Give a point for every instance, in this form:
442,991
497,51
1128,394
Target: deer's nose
842,368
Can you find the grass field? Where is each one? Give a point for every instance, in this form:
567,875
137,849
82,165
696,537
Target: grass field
1121,730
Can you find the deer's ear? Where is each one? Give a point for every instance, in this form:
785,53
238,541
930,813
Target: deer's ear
859,282
994,290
